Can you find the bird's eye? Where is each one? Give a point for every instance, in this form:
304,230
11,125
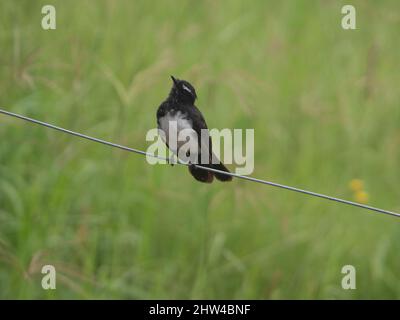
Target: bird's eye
187,89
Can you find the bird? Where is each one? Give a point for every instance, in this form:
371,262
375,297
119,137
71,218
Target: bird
179,107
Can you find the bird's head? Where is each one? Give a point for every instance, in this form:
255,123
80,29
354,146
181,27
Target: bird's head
183,91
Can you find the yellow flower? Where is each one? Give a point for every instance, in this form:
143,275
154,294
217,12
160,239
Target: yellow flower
356,185
361,197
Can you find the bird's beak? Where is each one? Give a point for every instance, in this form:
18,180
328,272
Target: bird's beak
173,79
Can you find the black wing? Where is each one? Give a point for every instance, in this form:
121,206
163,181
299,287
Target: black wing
161,111
199,123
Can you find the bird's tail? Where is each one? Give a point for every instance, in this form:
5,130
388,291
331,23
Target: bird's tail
201,175
206,176
221,176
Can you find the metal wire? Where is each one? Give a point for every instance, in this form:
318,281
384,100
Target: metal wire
278,185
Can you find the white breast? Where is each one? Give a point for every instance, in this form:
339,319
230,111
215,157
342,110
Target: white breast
172,124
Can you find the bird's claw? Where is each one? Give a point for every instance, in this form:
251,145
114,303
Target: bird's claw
171,161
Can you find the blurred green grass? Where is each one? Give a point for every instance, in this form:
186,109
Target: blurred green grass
324,103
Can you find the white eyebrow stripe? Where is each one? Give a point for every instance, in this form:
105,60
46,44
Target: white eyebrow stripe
186,88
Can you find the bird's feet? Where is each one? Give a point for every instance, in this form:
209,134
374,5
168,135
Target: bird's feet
171,160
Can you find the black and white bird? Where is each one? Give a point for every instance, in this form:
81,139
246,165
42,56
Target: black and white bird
179,108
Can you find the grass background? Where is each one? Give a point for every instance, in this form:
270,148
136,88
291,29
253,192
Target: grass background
324,103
